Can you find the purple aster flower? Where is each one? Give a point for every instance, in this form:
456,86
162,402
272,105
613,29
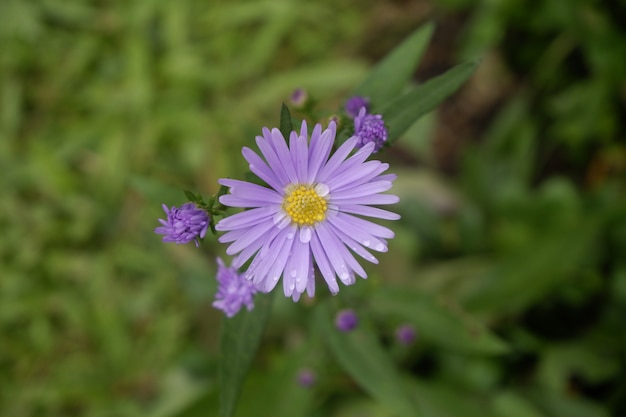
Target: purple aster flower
306,378
346,320
370,128
311,212
406,334
233,291
355,104
183,224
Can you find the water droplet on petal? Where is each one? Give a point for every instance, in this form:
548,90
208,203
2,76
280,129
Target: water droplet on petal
305,234
289,235
293,273
322,190
281,219
366,243
380,247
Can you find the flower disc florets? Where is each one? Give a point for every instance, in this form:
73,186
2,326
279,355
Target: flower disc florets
304,205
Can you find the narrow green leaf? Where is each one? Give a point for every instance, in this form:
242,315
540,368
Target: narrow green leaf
402,112
285,121
191,196
435,322
362,356
239,340
390,76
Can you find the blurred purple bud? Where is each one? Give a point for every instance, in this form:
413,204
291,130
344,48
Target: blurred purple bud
354,105
346,320
299,97
406,334
306,378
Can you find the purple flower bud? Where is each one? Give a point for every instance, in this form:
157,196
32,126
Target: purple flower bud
370,128
406,334
299,97
346,320
183,224
306,378
355,104
233,291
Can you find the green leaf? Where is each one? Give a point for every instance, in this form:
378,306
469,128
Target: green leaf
528,274
511,404
239,340
439,399
192,197
390,76
285,121
362,356
436,322
402,112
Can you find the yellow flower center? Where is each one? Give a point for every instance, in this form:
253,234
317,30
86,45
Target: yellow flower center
304,205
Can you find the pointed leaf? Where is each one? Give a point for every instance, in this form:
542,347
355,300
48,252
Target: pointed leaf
286,125
362,356
191,196
402,112
239,340
390,76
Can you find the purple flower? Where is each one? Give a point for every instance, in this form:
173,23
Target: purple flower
183,224
233,291
370,128
346,320
355,104
406,334
306,378
310,213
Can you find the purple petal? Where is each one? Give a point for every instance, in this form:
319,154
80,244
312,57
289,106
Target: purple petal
262,170
338,157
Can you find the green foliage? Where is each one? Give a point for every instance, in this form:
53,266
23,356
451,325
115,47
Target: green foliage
512,271
390,77
239,340
362,356
405,110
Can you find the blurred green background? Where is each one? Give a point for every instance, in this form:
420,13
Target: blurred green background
512,196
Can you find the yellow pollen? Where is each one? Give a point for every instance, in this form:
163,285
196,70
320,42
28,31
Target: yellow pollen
304,205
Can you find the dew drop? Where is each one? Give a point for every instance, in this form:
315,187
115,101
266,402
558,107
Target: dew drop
293,273
281,219
305,234
367,243
380,247
289,235
322,190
